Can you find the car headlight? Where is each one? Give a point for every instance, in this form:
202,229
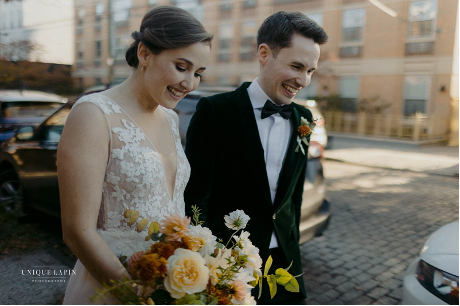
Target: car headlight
440,283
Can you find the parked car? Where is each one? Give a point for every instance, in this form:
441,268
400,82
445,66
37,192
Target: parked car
28,175
23,107
432,278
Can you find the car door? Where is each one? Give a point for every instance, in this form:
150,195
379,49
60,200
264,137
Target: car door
37,164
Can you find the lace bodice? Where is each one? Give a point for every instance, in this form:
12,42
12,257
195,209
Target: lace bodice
135,177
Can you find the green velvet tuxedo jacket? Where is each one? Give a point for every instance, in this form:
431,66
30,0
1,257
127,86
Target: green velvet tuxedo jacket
228,173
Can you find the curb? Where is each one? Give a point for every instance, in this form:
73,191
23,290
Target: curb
454,175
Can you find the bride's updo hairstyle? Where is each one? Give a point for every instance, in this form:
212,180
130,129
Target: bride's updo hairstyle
166,27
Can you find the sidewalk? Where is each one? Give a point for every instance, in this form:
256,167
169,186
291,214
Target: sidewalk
393,154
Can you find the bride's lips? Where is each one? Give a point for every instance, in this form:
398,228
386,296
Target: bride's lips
175,93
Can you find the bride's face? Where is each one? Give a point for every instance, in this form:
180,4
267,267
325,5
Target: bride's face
172,74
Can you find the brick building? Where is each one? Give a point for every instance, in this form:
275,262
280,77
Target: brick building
398,53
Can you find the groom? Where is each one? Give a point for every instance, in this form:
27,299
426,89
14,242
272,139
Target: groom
242,145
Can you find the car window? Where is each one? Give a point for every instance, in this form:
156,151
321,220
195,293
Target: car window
51,129
29,109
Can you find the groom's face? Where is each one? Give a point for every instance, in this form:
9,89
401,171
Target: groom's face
284,74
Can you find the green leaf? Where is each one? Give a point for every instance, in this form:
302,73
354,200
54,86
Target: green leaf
292,285
272,285
282,276
268,264
214,301
260,287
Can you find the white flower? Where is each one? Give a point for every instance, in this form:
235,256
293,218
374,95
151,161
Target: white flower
187,273
236,220
215,263
207,239
248,300
247,248
246,275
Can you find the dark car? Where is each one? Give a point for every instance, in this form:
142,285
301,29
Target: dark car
28,174
25,107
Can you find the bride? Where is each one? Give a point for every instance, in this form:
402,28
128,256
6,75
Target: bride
121,149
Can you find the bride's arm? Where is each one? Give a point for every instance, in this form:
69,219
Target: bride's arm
81,163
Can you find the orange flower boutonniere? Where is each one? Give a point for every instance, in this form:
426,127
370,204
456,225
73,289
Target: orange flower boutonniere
305,129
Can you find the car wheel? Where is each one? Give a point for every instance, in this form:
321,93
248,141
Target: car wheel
11,196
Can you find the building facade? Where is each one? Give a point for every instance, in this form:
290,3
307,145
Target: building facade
398,56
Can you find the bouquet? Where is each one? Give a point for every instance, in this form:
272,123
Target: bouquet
186,264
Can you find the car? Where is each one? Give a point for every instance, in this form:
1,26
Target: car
25,107
432,278
28,174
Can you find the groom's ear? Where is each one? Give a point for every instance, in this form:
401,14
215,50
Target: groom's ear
263,53
142,53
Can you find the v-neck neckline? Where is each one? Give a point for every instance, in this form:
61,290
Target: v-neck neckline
171,198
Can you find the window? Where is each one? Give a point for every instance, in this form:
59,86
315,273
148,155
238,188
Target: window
225,42
97,53
422,19
120,11
81,16
316,17
225,5
416,92
51,130
121,45
249,3
248,45
194,7
98,17
80,48
352,25
349,93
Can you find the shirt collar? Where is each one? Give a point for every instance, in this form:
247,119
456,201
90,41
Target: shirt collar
256,94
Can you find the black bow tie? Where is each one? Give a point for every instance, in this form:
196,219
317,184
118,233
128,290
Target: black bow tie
270,108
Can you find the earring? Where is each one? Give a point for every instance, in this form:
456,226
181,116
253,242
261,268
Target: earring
142,68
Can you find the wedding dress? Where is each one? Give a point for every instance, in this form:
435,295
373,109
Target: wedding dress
134,179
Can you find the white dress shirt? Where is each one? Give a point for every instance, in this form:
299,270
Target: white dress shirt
275,133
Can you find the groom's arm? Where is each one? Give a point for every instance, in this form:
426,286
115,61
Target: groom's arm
297,197
200,150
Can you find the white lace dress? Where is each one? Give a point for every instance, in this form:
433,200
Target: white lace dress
134,179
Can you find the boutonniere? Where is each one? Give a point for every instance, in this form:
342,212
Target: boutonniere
304,130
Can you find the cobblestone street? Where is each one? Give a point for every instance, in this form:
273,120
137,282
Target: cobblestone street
381,218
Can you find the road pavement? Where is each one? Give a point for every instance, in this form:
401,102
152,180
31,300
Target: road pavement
386,201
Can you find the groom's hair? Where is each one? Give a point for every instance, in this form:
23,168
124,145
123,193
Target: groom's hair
277,30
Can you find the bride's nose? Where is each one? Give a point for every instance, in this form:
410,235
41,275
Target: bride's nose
187,82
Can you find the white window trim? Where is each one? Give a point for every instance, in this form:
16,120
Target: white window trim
430,38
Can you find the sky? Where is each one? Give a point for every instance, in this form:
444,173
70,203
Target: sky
53,24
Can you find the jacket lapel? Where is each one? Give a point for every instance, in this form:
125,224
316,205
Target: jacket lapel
290,165
251,139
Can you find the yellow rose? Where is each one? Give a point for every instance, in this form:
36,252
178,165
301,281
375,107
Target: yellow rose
187,273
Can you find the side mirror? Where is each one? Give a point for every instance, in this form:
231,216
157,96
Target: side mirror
25,133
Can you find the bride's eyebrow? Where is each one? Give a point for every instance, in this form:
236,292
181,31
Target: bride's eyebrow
189,63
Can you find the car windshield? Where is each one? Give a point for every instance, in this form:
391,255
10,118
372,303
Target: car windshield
29,109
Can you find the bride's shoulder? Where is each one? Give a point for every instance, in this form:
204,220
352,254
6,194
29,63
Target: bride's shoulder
106,104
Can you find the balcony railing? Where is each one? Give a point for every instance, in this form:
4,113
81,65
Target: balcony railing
418,127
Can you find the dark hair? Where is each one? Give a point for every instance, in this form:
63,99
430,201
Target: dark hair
277,30
166,27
